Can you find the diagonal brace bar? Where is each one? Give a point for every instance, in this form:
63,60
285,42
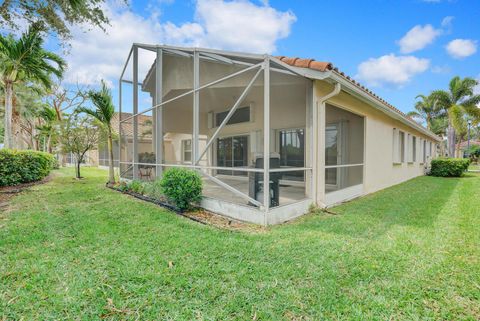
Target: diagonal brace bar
231,189
235,74
230,114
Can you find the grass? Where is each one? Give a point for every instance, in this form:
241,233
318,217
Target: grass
74,250
474,167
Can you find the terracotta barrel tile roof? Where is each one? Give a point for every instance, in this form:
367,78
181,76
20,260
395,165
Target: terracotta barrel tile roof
306,63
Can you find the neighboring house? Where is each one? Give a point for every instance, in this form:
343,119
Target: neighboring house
329,139
177,146
462,147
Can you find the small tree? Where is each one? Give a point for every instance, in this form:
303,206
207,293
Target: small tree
79,135
62,99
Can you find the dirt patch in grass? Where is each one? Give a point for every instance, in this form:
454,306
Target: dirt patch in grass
209,218
199,215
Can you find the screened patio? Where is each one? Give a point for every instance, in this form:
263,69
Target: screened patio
219,113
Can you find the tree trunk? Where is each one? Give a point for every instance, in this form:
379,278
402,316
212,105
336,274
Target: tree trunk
111,173
458,152
77,170
8,135
451,139
49,143
33,138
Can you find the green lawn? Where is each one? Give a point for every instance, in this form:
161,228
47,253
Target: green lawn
474,167
72,250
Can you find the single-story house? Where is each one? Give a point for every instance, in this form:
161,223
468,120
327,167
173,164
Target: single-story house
327,138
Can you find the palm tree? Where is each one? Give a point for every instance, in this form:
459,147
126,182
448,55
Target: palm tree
103,112
24,60
48,115
458,102
427,110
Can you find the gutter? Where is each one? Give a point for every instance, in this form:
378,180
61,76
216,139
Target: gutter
320,138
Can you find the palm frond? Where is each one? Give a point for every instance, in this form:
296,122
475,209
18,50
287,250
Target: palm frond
443,98
103,102
25,59
413,114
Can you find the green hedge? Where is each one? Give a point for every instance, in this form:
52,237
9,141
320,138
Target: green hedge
449,167
182,187
24,166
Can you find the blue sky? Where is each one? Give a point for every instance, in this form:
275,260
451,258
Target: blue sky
399,49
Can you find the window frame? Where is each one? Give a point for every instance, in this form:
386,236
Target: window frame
399,150
184,150
414,149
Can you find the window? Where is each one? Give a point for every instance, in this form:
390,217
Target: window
409,148
424,151
241,115
187,150
398,146
232,152
402,147
414,149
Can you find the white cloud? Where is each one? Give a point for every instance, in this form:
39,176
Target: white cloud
242,25
418,38
391,69
447,22
238,25
445,69
461,48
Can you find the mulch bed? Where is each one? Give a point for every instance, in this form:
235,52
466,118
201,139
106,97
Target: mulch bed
198,215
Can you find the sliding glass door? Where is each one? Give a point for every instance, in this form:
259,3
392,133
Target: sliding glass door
232,152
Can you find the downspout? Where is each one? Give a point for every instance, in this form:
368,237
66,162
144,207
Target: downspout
319,139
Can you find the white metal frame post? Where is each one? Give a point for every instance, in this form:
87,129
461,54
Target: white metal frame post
266,138
135,112
196,104
159,112
120,125
309,140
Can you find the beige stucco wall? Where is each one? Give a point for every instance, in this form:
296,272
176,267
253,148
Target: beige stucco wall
379,169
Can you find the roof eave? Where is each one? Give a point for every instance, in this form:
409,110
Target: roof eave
347,86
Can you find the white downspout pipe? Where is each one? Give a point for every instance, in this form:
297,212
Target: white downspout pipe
319,141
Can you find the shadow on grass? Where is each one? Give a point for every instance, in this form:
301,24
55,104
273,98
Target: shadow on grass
415,203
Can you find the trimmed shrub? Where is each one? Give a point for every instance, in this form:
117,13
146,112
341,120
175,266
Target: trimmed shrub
449,167
24,166
182,187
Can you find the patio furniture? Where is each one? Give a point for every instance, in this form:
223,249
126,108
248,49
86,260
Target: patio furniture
145,172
